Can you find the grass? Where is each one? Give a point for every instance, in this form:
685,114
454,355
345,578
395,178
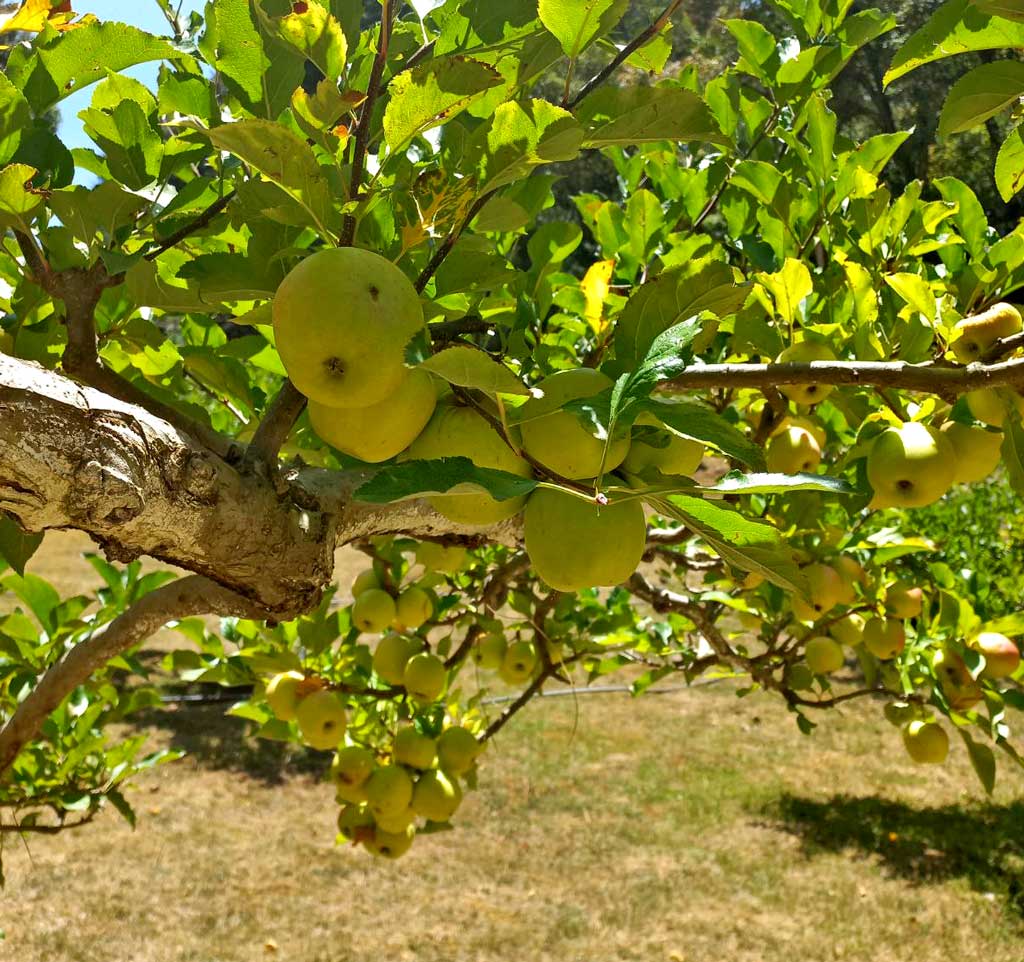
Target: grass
688,826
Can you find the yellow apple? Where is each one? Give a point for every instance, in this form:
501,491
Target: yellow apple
283,694
977,451
884,637
849,630
910,466
903,600
806,351
413,748
823,655
960,689
436,796
363,581
321,718
391,656
988,404
373,611
355,823
351,767
457,431
671,454
457,750
425,677
489,651
342,320
850,570
397,823
808,424
389,791
378,431
973,336
447,559
390,844
826,589
574,544
414,608
518,663
557,438
926,742
1002,657
793,451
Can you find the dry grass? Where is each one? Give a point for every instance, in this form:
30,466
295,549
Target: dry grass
691,826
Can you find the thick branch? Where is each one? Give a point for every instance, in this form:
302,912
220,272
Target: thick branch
181,599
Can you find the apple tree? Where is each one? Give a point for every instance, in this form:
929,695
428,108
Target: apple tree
318,295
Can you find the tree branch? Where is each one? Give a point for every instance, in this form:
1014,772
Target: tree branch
445,248
625,53
196,224
190,596
277,423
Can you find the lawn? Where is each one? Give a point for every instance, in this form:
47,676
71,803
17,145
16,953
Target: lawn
688,826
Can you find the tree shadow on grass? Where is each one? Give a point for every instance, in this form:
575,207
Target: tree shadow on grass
221,742
984,845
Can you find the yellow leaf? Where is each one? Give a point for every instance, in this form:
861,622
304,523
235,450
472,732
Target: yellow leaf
595,289
33,15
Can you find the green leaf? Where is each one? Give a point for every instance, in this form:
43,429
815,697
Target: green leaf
694,420
433,93
284,158
1012,451
132,147
39,596
915,290
958,26
80,57
417,479
983,760
19,201
577,23
315,34
1010,9
749,545
470,367
624,116
15,116
788,286
673,297
738,483
970,216
1010,165
16,545
981,93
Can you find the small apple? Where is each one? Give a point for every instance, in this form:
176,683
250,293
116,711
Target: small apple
900,713
390,844
414,608
436,796
851,570
413,748
398,822
392,655
910,466
355,823
425,677
364,581
557,438
885,638
519,662
793,451
961,690
799,353
826,589
389,790
457,750
373,611
848,630
672,455
823,655
978,451
1002,657
283,694
903,600
808,424
352,765
447,559
988,404
926,742
973,336
489,651
321,718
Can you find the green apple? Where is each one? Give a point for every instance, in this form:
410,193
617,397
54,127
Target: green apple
799,353
973,336
388,791
398,822
926,742
978,451
413,748
378,431
413,609
826,589
364,581
436,796
373,611
849,630
1002,657
954,677
988,404
823,655
355,823
518,663
850,570
458,431
321,718
447,559
489,651
910,466
671,454
903,600
808,424
457,750
353,794
283,693
575,544
390,844
900,713
793,451
557,438
425,677
884,637
352,765
342,320
391,656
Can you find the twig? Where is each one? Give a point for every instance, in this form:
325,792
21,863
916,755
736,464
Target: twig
197,223
450,330
448,243
277,423
19,828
